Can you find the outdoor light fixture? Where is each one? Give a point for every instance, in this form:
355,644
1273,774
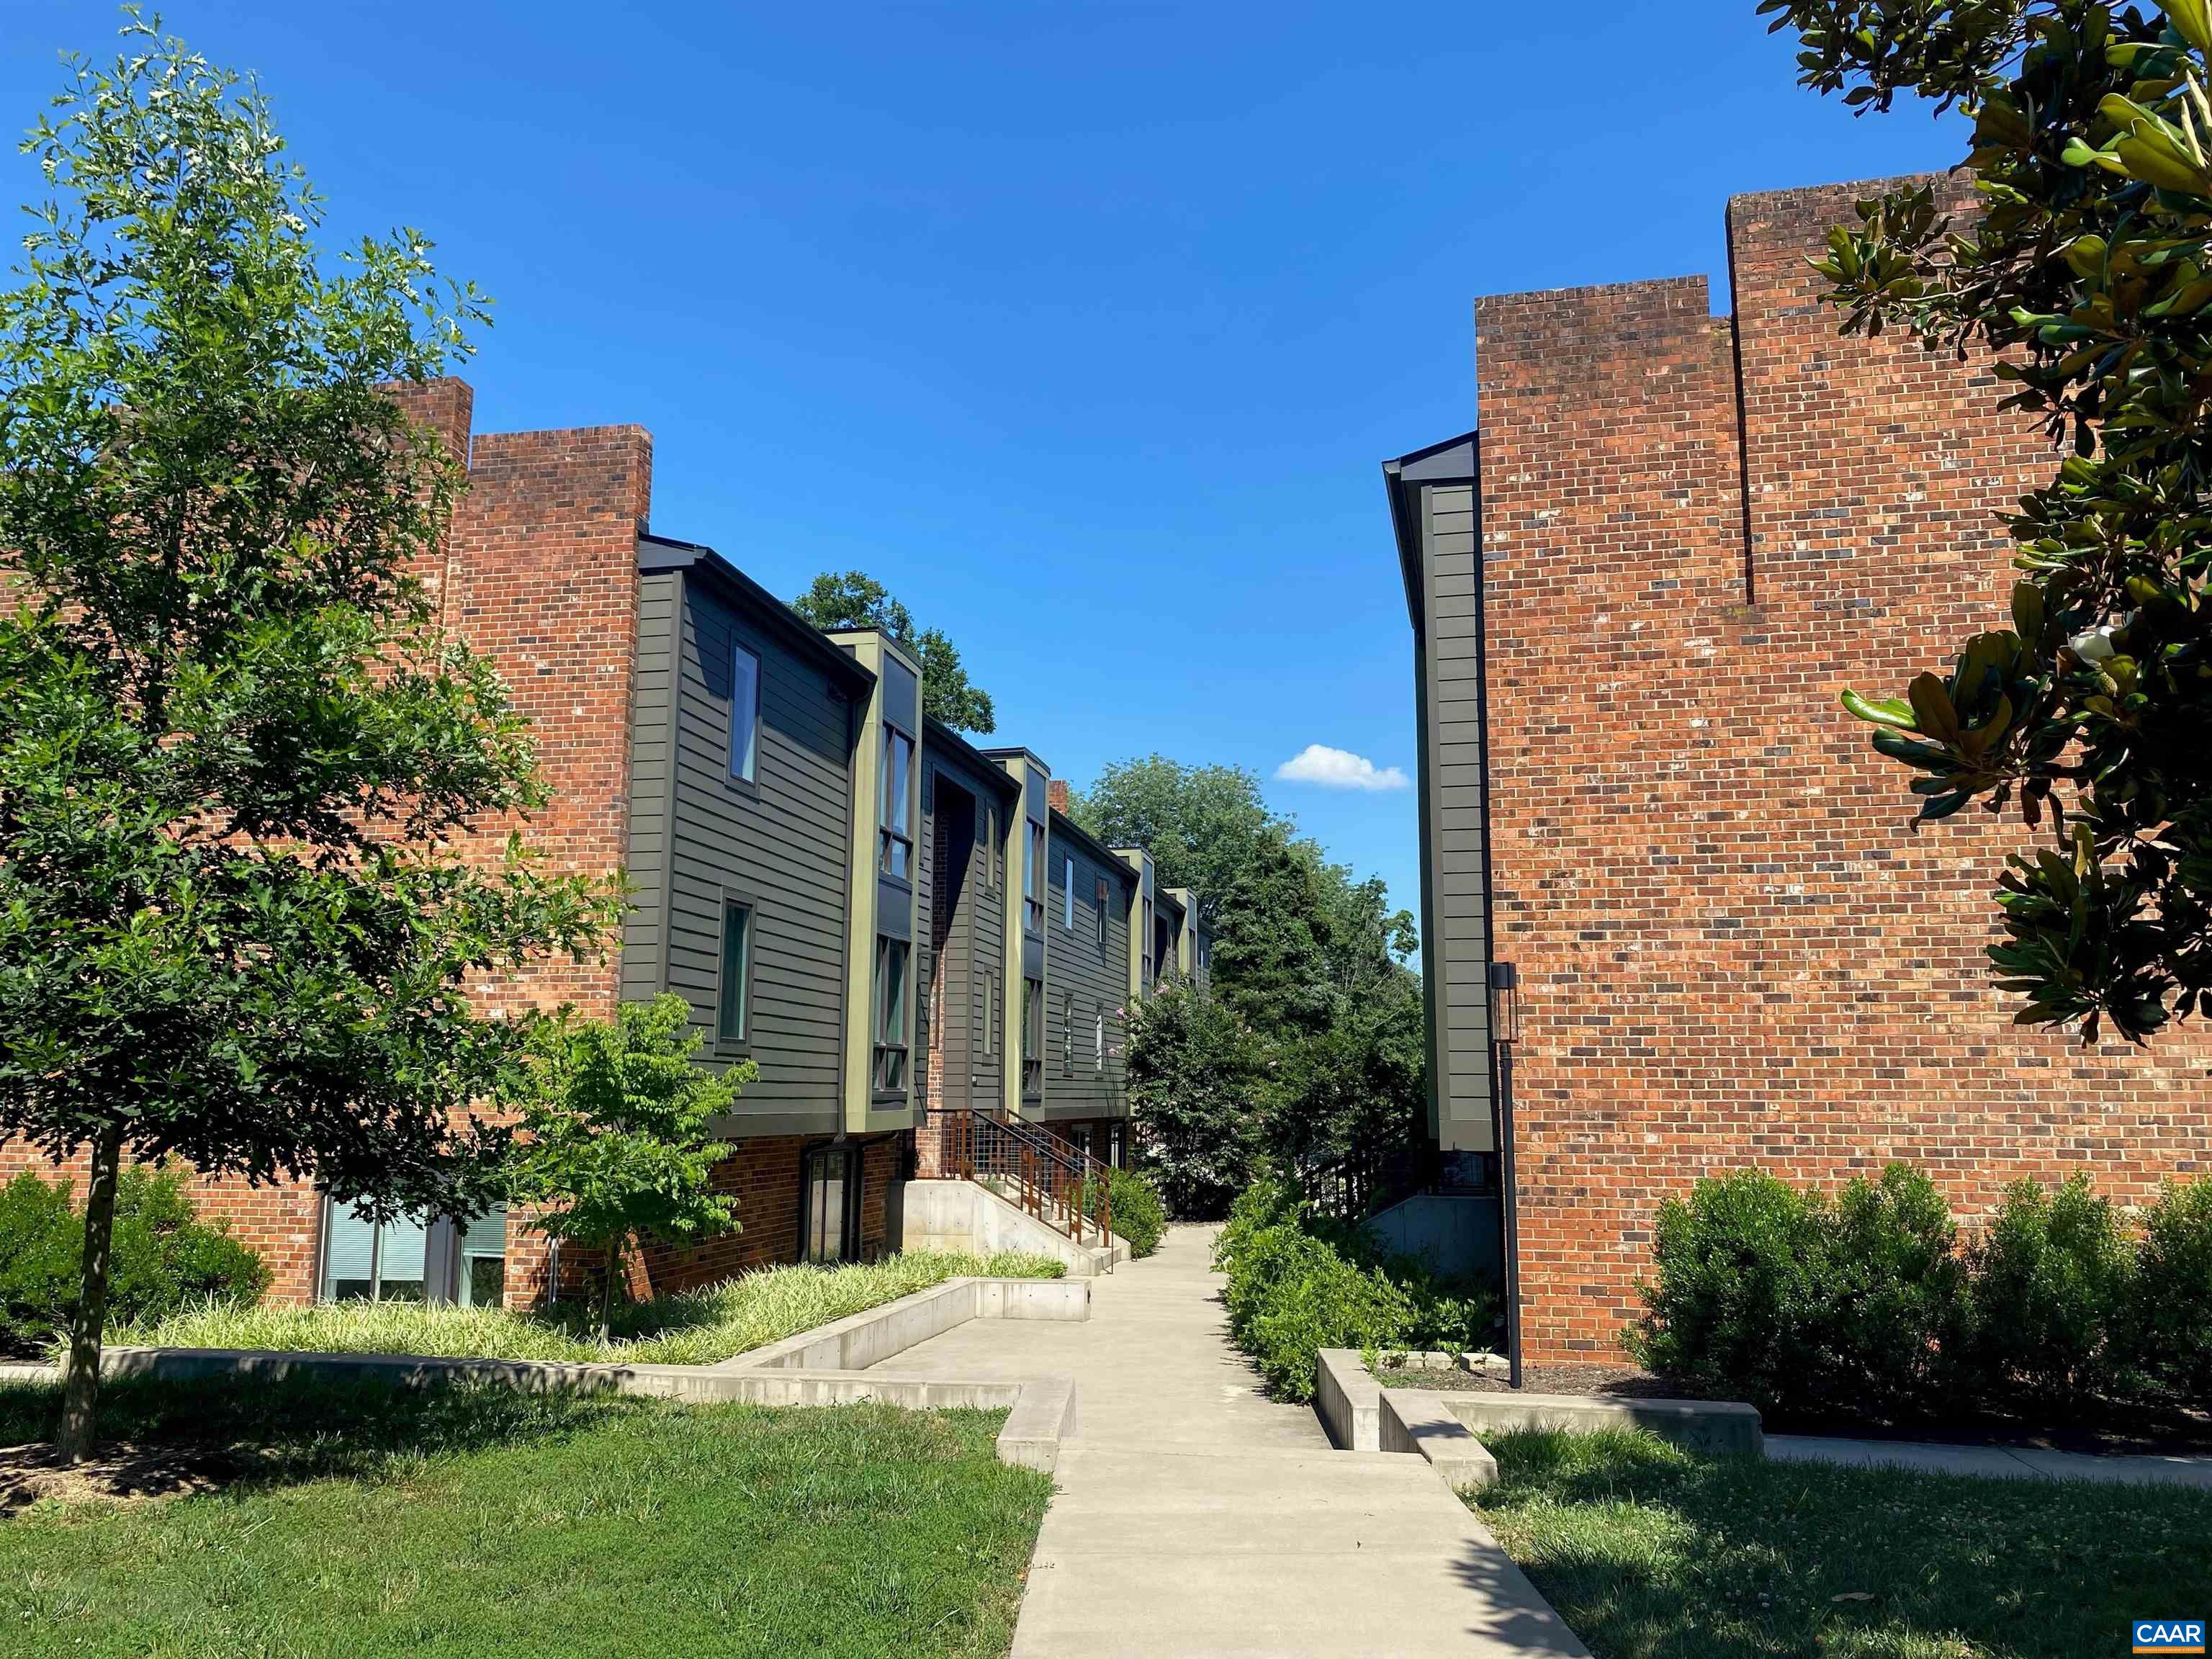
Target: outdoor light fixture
1505,1032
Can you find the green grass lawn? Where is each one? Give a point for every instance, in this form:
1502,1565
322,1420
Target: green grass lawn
479,1520
1652,1553
692,1328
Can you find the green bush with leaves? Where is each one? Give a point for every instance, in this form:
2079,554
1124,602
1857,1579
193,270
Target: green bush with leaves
1139,1214
2053,1284
1299,1284
1894,1303
164,1257
1741,1296
2170,1338
614,1139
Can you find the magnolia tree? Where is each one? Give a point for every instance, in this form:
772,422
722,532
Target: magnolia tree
2084,268
234,925
616,1139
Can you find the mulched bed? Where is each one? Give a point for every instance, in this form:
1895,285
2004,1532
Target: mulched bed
2116,1428
1619,1382
116,1474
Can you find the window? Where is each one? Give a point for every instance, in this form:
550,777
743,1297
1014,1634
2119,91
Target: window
744,713
1146,944
1067,1033
1117,1144
483,1262
990,1015
828,1202
994,852
1098,1045
365,1260
1033,881
896,857
1101,909
413,1259
1032,1036
733,996
1068,894
891,956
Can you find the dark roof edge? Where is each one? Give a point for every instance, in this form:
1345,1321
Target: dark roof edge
938,736
659,553
1438,463
1091,844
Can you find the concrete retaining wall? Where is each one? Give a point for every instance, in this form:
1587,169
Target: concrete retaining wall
1349,1400
875,1334
1418,1420
1715,1426
959,1215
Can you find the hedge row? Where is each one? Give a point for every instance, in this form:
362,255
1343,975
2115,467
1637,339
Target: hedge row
161,1256
1869,1306
1298,1284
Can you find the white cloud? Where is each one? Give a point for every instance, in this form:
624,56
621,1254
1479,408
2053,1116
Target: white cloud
1338,768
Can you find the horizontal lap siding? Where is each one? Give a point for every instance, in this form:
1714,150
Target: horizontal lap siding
644,952
1459,949
1099,976
783,847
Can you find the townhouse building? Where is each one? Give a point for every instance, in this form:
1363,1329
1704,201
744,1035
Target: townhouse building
1636,589
891,925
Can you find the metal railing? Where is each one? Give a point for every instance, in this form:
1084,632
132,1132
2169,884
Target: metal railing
1061,1185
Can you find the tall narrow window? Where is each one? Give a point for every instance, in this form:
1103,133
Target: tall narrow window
1145,944
891,958
1101,909
733,1010
896,856
1098,1044
990,1015
1032,1036
829,1178
1067,1033
994,853
1068,894
745,712
1033,881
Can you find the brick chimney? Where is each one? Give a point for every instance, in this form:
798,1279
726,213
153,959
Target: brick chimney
1055,792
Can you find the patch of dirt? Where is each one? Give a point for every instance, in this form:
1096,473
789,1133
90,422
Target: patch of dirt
116,1474
1618,1381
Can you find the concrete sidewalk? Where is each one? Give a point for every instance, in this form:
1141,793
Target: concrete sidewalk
1995,1462
1196,1517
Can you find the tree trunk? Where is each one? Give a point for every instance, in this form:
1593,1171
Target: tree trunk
80,1390
607,1291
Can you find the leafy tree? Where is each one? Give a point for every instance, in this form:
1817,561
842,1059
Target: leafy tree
2084,269
856,599
1271,940
1194,1071
613,1138
233,924
1200,824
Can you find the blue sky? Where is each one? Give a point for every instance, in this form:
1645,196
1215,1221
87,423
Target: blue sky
1131,299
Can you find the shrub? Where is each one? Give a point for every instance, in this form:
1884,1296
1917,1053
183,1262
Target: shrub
2051,1278
1195,1093
1139,1214
2170,1336
1892,1305
161,1257
1738,1306
1297,1285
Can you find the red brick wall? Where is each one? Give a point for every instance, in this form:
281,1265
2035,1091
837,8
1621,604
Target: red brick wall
1733,950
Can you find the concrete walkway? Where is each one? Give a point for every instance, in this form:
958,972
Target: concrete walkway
1997,1462
1196,1517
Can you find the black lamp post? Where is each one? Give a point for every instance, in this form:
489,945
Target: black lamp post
1505,1032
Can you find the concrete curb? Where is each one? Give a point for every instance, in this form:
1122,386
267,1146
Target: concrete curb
827,1366
1715,1426
1417,1420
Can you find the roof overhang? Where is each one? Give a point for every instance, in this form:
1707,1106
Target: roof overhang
1456,460
661,553
938,737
